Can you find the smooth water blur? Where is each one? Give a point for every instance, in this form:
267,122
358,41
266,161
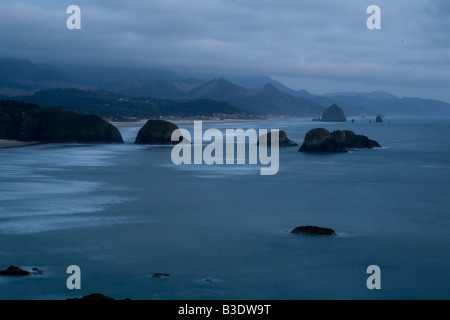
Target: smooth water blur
125,212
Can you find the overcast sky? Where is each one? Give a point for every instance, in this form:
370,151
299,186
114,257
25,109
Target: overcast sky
317,45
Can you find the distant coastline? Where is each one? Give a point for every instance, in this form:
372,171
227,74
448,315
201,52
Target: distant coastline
141,123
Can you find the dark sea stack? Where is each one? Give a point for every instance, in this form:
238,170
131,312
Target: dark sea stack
284,141
351,140
14,271
334,114
28,122
314,231
157,132
322,141
379,119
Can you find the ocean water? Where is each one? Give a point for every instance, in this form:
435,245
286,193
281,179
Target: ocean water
124,212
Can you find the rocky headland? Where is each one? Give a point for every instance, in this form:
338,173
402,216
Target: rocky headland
28,122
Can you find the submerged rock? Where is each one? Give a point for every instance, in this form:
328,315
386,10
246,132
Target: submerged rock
94,297
161,275
37,271
314,230
14,271
157,132
284,141
322,141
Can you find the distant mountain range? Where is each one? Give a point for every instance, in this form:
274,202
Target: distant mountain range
19,77
267,100
109,87
120,107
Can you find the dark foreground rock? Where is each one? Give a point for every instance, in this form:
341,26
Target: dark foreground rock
314,230
157,132
28,122
14,271
93,297
322,141
333,114
283,140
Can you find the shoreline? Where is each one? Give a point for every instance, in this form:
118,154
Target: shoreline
141,123
5,144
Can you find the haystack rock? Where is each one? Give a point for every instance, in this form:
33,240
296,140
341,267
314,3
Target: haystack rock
333,114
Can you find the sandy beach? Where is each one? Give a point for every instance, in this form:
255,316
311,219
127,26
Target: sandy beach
141,123
15,143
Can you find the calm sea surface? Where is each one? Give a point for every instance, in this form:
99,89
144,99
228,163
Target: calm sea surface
124,212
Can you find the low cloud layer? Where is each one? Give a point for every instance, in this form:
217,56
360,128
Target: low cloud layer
320,45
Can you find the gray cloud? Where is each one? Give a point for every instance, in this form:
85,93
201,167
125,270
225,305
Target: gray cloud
292,40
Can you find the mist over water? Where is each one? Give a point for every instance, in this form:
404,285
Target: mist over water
125,212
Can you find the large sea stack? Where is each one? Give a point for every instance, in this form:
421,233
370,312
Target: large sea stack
157,132
322,141
28,122
333,114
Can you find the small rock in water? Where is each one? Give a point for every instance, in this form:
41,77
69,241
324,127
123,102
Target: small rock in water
161,275
95,297
37,271
14,271
314,230
283,140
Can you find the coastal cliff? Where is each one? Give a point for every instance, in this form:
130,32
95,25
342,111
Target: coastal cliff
28,122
